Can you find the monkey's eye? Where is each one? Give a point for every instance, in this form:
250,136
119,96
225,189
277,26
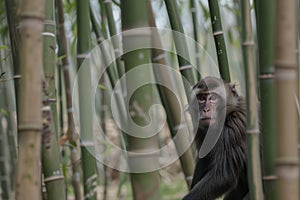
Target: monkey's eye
213,98
201,98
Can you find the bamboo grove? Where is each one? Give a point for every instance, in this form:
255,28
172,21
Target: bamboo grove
95,95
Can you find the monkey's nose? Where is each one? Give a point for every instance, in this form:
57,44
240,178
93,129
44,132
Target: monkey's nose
206,109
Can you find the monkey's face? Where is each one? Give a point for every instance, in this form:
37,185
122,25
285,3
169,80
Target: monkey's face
209,104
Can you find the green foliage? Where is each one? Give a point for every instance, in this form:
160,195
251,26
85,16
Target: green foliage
59,58
204,10
73,144
102,87
4,112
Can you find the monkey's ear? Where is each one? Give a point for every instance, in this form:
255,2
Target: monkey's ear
233,89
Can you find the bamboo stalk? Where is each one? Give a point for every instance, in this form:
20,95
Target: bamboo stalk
193,7
53,177
286,73
186,69
71,133
219,39
265,15
253,136
142,148
85,100
9,129
113,33
5,156
175,116
28,182
12,21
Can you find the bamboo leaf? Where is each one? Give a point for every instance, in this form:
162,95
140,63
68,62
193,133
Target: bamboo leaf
103,87
4,47
59,58
4,112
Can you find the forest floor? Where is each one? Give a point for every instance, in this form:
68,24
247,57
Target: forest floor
172,183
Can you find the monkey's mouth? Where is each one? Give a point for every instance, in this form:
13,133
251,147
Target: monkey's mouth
207,119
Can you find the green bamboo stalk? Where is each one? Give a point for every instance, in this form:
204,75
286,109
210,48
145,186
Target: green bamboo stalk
180,43
102,114
140,149
5,184
174,114
12,21
219,39
53,177
265,15
112,72
61,109
71,133
253,136
8,111
5,156
49,58
85,100
298,37
28,182
113,32
193,7
286,80
112,76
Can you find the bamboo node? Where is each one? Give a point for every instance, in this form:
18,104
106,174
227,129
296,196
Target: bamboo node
82,55
137,32
248,43
10,78
143,154
216,33
49,100
290,161
253,132
49,22
267,76
30,127
270,178
53,178
285,64
185,67
32,15
49,34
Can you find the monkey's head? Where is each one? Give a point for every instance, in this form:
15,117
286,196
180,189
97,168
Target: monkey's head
215,99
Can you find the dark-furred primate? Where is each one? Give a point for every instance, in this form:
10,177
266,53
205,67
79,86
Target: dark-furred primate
223,170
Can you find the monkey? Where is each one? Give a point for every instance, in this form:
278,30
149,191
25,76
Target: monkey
223,170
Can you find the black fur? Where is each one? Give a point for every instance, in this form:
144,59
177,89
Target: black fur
223,172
